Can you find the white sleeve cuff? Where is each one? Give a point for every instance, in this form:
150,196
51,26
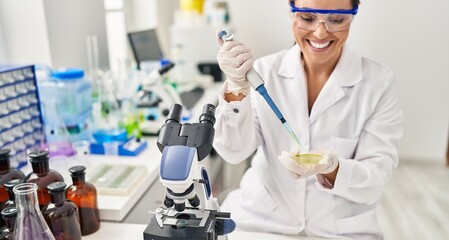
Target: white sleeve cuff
342,180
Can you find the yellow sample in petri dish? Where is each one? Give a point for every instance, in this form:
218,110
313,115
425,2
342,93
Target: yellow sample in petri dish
308,158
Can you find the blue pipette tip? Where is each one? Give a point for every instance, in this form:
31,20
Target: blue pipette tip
225,36
222,33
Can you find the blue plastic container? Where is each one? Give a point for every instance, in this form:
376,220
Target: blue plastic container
67,100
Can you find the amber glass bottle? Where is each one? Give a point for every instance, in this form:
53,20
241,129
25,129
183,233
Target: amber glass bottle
42,176
9,186
61,215
6,173
10,203
84,195
9,216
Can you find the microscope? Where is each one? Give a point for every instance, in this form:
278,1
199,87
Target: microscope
190,212
154,93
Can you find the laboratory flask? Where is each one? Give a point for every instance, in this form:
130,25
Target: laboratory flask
84,195
30,224
62,215
42,175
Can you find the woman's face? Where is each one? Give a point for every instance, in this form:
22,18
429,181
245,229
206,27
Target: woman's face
320,46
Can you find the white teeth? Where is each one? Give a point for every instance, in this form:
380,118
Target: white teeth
319,45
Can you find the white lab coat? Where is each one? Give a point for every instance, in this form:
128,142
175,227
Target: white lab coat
356,115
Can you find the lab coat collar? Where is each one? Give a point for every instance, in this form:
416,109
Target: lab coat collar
348,71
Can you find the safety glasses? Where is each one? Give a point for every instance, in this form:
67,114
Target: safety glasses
310,19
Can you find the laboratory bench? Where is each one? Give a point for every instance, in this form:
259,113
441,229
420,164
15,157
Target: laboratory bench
119,231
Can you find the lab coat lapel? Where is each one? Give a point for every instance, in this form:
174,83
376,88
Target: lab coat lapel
295,80
347,73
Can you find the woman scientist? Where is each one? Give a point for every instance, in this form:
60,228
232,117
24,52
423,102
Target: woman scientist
336,101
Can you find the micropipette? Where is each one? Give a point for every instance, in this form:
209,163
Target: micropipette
258,84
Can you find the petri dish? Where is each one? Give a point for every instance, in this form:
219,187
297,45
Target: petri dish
308,158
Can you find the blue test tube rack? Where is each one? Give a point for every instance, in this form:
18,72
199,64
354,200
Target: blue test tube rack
21,119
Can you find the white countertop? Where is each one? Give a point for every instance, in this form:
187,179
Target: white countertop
115,208
119,231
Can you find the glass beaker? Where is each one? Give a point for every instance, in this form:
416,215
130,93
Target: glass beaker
30,224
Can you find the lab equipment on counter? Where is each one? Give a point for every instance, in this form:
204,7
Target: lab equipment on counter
66,100
156,94
192,46
30,224
7,173
116,179
216,13
9,216
116,141
20,115
42,175
146,48
258,84
84,195
182,147
62,215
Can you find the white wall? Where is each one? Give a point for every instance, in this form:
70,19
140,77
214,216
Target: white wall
141,14
413,40
263,25
3,56
52,32
165,10
25,31
69,22
405,35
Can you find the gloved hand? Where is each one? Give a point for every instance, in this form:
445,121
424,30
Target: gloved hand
235,60
307,164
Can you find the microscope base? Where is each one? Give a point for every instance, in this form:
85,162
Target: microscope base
191,224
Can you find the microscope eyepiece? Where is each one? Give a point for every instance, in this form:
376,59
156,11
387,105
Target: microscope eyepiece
174,115
208,115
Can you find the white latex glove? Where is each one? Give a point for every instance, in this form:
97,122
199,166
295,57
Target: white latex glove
235,60
299,168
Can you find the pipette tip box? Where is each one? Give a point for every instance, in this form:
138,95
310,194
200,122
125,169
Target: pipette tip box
131,147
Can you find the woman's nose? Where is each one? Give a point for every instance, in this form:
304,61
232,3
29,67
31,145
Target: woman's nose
321,31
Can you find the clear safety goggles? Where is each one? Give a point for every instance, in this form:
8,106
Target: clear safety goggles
310,19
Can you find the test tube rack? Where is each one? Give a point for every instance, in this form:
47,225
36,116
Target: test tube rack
20,114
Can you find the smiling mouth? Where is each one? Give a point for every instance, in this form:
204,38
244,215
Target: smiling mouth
320,46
